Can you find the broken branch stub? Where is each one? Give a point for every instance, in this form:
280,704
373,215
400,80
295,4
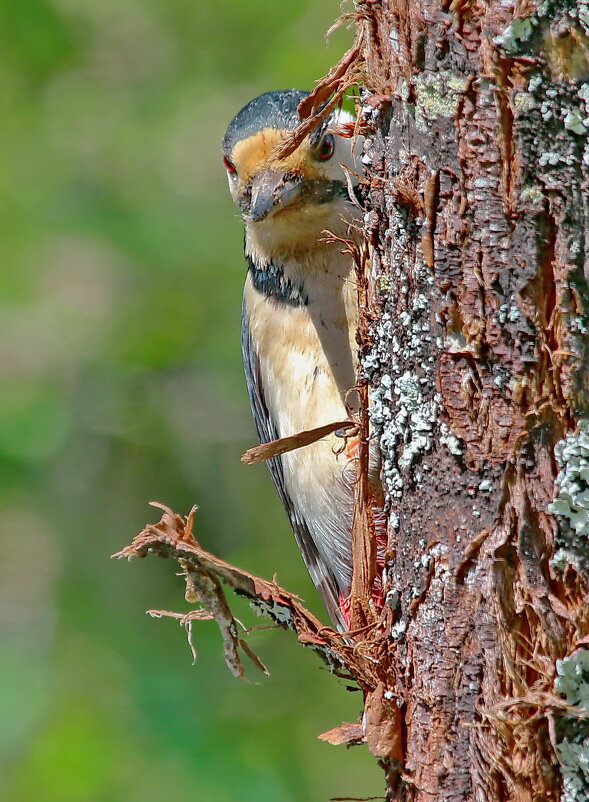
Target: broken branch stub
359,656
205,575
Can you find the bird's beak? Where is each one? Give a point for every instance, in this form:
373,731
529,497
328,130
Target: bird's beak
273,191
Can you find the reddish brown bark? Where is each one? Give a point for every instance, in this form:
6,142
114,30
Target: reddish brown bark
478,223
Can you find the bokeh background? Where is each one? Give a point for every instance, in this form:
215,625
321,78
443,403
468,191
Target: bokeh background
120,289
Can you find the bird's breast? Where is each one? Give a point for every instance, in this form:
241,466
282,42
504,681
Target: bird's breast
307,352
307,359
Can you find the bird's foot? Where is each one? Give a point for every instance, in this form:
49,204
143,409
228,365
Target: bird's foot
352,447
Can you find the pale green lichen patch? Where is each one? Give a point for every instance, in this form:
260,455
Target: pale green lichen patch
410,429
523,101
520,31
571,504
573,678
574,123
550,158
383,285
574,768
561,130
418,416
573,731
437,95
452,443
404,405
532,194
557,32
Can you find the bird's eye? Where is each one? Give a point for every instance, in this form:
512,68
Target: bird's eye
325,148
229,166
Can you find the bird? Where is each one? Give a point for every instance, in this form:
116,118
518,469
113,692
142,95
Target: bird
300,316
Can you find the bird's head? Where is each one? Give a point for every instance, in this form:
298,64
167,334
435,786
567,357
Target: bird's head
288,200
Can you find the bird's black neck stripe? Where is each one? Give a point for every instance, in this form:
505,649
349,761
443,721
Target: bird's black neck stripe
271,282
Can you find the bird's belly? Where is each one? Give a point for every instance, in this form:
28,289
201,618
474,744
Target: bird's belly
320,484
302,392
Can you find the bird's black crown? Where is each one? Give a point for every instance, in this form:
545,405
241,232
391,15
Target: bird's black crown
278,109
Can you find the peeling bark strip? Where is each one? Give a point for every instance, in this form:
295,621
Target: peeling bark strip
477,118
352,656
284,444
205,575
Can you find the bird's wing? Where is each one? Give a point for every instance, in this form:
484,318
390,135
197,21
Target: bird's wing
320,574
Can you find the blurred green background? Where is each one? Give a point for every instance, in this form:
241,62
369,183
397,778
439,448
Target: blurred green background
121,283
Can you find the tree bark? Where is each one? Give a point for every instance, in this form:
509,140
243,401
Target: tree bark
477,159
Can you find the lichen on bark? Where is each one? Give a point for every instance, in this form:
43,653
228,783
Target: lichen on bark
476,156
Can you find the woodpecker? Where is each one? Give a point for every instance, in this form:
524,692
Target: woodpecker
299,318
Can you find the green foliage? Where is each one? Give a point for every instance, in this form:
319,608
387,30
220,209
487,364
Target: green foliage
119,343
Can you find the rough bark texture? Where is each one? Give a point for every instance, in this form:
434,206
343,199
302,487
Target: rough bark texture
477,158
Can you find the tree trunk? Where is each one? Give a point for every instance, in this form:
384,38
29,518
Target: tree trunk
477,155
